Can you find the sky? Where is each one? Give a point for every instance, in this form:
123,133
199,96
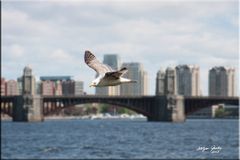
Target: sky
51,36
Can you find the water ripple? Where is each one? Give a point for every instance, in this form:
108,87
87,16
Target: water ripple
118,139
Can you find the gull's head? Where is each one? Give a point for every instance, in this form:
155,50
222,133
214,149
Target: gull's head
93,84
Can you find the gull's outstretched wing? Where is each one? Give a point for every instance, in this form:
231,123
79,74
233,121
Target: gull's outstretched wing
116,74
92,62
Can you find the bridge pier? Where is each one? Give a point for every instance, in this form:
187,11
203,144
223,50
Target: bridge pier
168,109
176,105
27,108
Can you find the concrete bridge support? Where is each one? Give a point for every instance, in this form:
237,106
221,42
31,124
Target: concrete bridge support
168,109
27,108
176,105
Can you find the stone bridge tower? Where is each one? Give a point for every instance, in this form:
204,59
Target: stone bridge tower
166,86
28,106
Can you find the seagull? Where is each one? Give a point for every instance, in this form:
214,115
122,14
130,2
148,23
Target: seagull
106,75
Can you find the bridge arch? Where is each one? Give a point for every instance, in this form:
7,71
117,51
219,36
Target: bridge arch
61,104
7,108
194,104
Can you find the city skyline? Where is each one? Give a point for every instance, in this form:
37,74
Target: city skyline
157,34
159,81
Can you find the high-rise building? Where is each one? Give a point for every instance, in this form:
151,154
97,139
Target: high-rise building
113,61
58,88
12,88
221,81
188,80
170,81
166,82
68,87
20,85
144,88
62,85
38,88
3,86
160,82
52,85
48,88
135,72
28,81
78,88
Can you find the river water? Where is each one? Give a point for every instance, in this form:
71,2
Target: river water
135,139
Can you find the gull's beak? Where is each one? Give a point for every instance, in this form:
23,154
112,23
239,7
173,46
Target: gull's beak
91,85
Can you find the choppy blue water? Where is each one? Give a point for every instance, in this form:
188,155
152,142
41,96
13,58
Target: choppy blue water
59,139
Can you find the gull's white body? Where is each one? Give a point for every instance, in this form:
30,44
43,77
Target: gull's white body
107,77
103,82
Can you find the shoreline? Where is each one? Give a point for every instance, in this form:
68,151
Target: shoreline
97,116
107,116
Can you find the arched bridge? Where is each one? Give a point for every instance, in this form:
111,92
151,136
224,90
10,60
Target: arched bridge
155,108
193,104
7,105
139,104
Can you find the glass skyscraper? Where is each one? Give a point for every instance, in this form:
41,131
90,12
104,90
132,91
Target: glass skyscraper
221,81
135,72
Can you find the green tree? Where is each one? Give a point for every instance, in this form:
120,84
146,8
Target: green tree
122,110
220,113
104,108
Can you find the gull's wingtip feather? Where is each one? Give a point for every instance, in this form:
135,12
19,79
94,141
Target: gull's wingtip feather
88,57
87,51
123,69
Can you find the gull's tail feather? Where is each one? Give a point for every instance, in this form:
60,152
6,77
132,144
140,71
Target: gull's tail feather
123,71
133,81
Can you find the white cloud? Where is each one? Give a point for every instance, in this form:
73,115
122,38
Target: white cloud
16,51
59,55
11,18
